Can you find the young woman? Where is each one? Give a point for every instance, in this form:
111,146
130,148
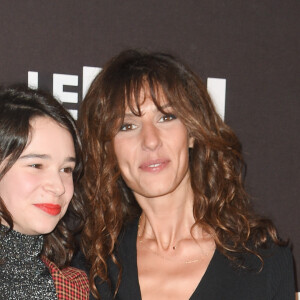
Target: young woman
170,218
40,161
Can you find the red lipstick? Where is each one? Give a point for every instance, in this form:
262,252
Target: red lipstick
49,208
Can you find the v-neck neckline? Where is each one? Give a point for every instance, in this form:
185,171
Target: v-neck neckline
132,231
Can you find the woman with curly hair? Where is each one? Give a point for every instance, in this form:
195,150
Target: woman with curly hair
169,216
40,162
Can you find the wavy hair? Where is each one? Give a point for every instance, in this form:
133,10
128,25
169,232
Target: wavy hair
18,106
221,204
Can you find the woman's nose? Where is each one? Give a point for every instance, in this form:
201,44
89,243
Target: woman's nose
54,184
151,138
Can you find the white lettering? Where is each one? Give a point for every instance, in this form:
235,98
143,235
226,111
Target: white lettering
216,87
88,75
59,81
217,90
33,80
74,113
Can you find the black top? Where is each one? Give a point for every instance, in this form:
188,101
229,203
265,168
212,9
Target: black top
222,280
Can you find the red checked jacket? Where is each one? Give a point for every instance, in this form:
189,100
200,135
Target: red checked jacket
70,283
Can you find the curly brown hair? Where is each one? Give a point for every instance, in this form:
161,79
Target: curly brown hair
18,106
221,204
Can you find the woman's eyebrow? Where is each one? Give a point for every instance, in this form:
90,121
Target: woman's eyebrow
35,155
130,113
46,156
167,105
70,159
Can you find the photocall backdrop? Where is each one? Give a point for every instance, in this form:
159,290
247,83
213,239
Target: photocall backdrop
246,51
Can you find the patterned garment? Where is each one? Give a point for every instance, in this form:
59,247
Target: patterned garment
70,283
23,275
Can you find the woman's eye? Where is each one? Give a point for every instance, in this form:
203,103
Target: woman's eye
126,127
67,170
167,117
36,166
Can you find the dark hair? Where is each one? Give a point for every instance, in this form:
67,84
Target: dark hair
216,164
18,106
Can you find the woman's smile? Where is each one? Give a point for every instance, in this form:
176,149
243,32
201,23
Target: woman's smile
154,166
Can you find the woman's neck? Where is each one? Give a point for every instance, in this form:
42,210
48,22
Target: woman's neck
168,219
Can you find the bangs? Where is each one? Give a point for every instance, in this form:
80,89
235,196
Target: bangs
132,78
140,89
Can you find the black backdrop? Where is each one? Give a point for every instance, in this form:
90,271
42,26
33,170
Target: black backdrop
254,45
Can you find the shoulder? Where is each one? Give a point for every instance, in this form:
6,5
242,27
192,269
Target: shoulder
274,274
68,281
274,261
278,270
276,257
271,279
278,264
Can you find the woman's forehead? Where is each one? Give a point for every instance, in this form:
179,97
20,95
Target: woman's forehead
146,97
147,105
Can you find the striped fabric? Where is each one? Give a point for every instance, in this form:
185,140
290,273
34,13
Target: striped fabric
70,283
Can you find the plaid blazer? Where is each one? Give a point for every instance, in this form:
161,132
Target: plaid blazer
70,283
